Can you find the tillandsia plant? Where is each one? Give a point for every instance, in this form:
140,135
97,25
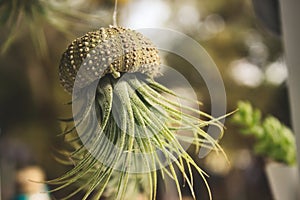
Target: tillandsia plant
19,15
125,130
273,139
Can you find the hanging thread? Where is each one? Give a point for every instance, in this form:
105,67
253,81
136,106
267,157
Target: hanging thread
115,24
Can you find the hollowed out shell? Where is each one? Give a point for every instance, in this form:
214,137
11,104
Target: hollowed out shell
107,50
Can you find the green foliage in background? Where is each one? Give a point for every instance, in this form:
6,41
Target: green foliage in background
17,17
273,139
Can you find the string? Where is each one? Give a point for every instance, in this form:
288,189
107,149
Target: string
115,14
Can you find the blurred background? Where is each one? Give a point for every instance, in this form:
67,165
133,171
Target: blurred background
242,37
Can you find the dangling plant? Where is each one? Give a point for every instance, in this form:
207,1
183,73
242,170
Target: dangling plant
19,16
126,129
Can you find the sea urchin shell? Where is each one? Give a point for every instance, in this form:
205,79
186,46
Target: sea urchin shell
107,50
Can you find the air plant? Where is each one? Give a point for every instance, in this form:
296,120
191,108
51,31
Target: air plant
19,16
126,131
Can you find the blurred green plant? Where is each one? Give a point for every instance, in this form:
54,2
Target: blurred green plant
19,16
273,139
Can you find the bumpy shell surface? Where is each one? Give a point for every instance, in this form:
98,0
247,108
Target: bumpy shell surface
107,50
